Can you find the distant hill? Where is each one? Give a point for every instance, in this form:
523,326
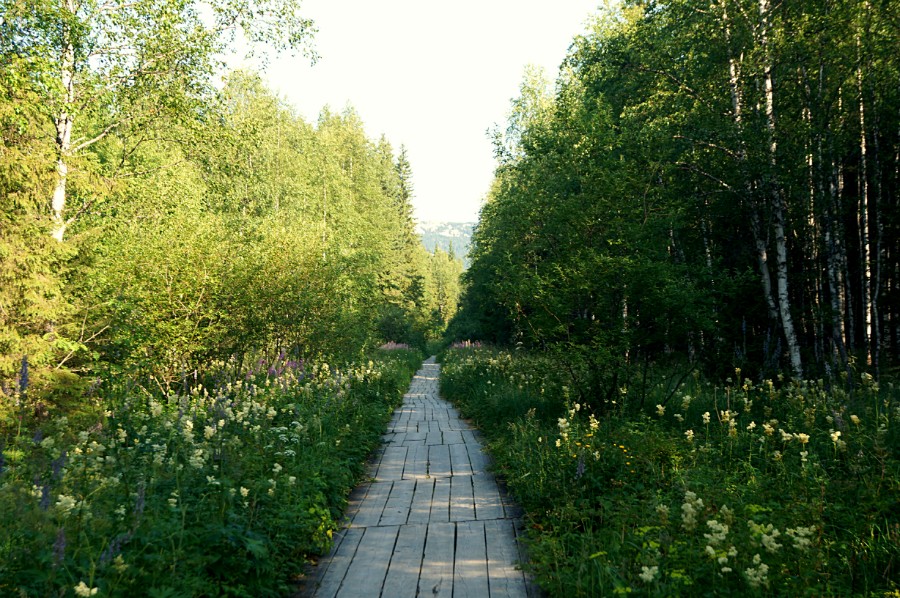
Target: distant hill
442,234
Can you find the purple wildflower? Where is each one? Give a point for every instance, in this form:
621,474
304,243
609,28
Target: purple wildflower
57,465
59,547
139,501
580,470
23,375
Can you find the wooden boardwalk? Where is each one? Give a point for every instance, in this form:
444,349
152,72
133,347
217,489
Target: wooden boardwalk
432,522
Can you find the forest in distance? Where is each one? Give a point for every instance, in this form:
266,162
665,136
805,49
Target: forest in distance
679,327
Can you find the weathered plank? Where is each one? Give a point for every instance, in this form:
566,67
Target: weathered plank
364,575
487,497
502,555
391,466
470,571
403,573
396,510
439,461
462,501
337,564
436,577
371,507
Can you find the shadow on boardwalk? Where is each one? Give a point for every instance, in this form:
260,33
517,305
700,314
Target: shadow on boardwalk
433,521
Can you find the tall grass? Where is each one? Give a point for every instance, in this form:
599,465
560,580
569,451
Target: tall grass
766,487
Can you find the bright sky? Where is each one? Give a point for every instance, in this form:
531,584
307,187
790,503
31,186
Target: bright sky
433,76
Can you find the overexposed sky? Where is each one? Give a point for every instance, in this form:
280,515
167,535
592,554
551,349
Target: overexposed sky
433,76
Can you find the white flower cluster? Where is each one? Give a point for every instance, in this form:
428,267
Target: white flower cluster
690,509
758,575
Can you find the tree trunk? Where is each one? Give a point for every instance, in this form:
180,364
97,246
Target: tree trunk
776,195
63,122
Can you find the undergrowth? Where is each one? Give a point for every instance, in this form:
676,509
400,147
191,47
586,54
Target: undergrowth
766,487
219,491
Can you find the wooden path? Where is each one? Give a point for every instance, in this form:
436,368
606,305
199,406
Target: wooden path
432,522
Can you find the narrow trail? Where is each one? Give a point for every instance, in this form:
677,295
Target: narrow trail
433,521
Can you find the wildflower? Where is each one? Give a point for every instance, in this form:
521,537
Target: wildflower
717,532
785,437
835,436
292,480
663,512
244,492
276,468
65,503
803,456
801,536
563,424
660,410
689,435
690,509
855,420
803,438
769,430
758,575
685,402
83,590
173,502
594,423
679,417
706,417
648,574
558,443
726,569
209,432
751,426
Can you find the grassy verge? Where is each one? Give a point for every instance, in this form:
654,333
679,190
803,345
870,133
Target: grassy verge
216,491
755,488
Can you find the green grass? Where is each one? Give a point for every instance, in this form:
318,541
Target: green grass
221,491
754,487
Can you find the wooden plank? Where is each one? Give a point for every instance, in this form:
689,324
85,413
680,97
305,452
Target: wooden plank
488,504
452,437
402,579
439,461
502,555
434,438
420,509
436,578
416,463
391,467
480,462
440,500
462,502
337,564
396,510
370,509
367,570
459,460
470,572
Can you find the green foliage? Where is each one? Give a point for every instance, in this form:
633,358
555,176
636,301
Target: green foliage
758,487
223,489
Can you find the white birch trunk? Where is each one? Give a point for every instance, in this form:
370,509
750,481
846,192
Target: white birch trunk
777,198
63,122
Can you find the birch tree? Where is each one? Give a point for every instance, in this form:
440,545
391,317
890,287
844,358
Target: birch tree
106,66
